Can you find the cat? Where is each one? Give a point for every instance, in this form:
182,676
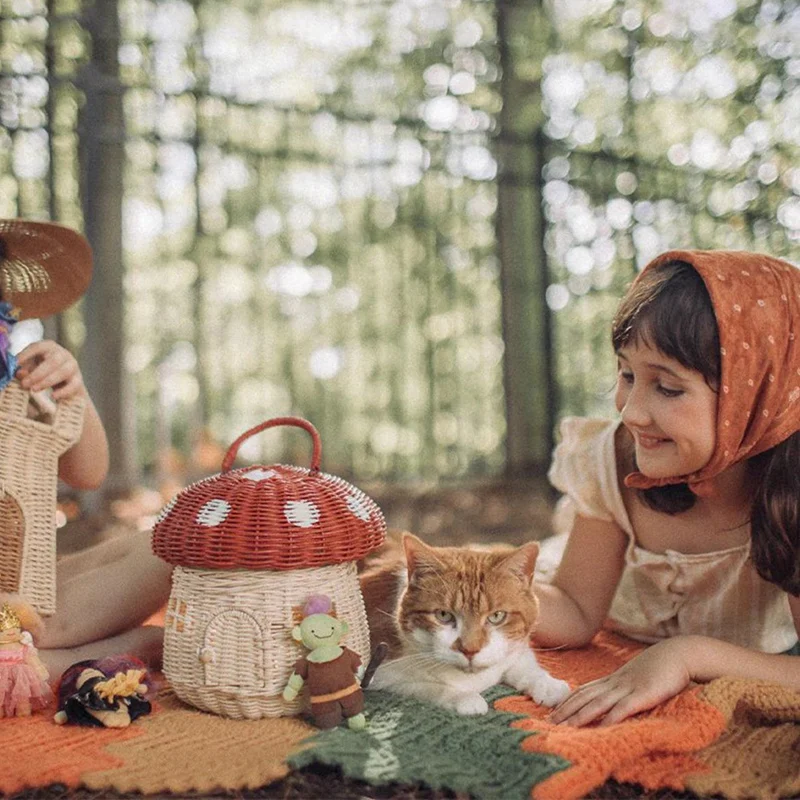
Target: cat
457,621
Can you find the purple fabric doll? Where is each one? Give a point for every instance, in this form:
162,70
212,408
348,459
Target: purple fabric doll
8,362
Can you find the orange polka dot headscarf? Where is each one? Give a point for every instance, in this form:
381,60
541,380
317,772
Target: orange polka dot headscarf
756,300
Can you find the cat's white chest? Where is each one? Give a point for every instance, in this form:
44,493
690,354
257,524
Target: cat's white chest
478,681
451,687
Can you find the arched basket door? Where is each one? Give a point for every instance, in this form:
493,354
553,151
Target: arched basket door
234,643
12,542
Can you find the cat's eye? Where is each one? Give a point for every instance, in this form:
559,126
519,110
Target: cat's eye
445,617
497,617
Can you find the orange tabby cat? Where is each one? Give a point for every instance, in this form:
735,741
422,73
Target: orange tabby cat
457,621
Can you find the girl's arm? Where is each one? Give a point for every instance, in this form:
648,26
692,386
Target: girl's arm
666,668
85,464
574,606
47,365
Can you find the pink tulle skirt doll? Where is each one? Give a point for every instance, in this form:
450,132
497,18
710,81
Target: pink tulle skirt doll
23,677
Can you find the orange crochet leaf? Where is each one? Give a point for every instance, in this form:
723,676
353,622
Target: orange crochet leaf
630,751
656,749
36,752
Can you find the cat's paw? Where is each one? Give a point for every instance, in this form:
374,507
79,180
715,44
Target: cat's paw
471,705
548,691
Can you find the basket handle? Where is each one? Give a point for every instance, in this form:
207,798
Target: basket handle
298,422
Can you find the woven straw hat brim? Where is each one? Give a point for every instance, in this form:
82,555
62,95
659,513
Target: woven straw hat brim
45,267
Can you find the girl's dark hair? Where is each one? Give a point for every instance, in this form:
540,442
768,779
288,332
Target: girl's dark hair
669,309
775,515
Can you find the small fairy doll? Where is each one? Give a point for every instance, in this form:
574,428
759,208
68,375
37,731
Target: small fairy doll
23,677
109,692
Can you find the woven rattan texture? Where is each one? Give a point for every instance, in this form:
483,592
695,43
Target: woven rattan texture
12,536
227,634
46,266
29,452
268,517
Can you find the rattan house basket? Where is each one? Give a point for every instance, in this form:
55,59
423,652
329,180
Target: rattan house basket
29,450
250,545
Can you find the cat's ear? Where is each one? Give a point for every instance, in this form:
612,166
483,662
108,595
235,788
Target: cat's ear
522,561
420,557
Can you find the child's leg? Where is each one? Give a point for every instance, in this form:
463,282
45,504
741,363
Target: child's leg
144,642
95,556
123,584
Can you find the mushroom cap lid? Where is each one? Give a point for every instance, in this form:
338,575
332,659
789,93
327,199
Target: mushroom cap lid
275,517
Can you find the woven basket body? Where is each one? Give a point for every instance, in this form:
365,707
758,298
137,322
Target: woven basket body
228,647
29,452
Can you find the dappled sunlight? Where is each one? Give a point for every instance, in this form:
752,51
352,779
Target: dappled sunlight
310,197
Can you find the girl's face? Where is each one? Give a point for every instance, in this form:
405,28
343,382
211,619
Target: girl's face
670,411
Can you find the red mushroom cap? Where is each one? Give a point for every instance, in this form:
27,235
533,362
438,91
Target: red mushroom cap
274,517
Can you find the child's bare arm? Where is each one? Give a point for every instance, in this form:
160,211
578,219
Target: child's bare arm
85,464
575,605
47,365
664,669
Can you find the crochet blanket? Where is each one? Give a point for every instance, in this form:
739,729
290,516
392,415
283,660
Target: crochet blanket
730,738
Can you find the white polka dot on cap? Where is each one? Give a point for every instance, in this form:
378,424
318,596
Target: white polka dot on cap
213,513
358,507
259,474
302,513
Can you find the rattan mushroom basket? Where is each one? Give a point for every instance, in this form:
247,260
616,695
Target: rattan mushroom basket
250,545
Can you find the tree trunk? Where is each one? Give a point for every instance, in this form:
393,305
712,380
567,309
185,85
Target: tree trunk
102,164
529,380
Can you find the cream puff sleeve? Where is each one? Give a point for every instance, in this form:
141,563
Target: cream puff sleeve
584,470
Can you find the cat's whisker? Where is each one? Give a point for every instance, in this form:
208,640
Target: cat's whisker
415,657
419,660
426,673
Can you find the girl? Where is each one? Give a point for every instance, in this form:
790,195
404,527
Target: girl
685,515
104,593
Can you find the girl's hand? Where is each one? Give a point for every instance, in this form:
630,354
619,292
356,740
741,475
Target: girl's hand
47,365
655,675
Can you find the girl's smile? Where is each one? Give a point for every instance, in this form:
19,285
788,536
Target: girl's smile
669,410
649,442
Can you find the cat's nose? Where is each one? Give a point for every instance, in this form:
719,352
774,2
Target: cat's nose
470,654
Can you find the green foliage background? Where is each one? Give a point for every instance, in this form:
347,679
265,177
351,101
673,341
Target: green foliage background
311,191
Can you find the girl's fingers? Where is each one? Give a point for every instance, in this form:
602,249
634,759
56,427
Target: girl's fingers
595,709
575,701
626,707
49,374
35,351
47,365
68,389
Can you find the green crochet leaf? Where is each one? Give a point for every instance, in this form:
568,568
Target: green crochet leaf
409,741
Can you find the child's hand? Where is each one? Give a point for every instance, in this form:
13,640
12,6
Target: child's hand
655,675
47,365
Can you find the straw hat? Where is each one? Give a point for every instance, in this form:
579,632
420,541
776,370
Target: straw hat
44,267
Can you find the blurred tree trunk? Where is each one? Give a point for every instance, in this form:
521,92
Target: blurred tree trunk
102,156
530,393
